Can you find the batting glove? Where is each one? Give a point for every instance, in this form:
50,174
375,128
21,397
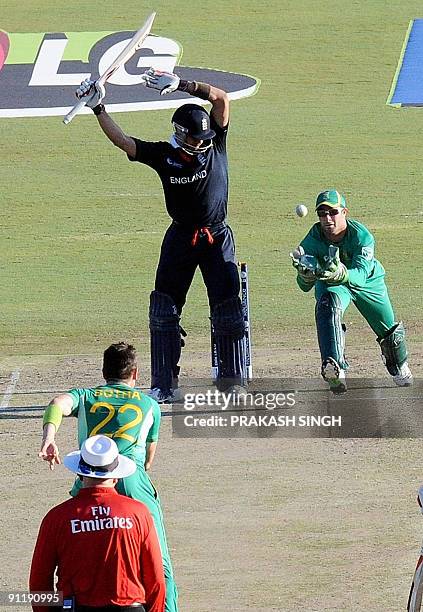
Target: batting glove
93,89
333,272
165,82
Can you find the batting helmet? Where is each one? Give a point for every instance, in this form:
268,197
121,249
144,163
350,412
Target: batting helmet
194,121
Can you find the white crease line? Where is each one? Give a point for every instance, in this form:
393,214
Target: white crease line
10,389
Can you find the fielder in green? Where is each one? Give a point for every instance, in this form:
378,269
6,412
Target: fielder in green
337,259
122,411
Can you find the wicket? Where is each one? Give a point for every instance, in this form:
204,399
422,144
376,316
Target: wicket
245,304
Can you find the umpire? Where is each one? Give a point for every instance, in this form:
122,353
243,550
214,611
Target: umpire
103,545
193,169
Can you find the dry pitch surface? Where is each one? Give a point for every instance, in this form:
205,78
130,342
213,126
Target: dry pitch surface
253,524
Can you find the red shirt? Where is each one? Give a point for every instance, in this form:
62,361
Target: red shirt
106,551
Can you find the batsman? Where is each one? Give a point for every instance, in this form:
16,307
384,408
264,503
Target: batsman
337,259
193,169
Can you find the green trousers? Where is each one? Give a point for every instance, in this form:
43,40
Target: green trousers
372,301
139,486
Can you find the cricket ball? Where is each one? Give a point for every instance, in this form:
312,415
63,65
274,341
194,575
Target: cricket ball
301,210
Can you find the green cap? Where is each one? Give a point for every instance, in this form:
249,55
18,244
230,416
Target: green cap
331,198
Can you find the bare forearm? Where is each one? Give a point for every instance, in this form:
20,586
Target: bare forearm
218,97
220,105
59,407
151,451
49,432
115,134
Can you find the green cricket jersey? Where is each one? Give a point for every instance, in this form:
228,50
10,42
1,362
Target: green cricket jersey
356,251
124,413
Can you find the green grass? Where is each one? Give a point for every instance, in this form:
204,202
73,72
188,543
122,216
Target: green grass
78,257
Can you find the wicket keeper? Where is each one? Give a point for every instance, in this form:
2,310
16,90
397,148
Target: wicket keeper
337,259
193,169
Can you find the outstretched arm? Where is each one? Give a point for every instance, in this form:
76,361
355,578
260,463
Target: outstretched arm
59,407
218,97
115,134
96,93
220,106
167,82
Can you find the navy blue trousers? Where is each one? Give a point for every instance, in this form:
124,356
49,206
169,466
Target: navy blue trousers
179,259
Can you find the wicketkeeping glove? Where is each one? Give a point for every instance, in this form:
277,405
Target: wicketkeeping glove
165,82
334,271
304,264
93,89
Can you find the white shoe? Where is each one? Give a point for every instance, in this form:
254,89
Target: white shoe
334,375
405,377
164,397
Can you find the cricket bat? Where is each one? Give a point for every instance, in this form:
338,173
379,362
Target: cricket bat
133,45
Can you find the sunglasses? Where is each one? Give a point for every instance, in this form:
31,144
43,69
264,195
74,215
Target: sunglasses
332,212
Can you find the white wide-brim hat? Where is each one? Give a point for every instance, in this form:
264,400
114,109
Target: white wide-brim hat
99,458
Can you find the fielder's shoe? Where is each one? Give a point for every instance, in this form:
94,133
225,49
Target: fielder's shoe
334,375
164,397
405,377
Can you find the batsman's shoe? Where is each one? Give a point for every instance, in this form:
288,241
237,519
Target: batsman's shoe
405,377
334,375
165,397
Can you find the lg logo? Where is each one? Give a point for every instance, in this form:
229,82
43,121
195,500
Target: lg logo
50,62
39,72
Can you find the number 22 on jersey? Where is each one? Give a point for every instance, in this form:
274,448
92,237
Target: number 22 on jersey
111,411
